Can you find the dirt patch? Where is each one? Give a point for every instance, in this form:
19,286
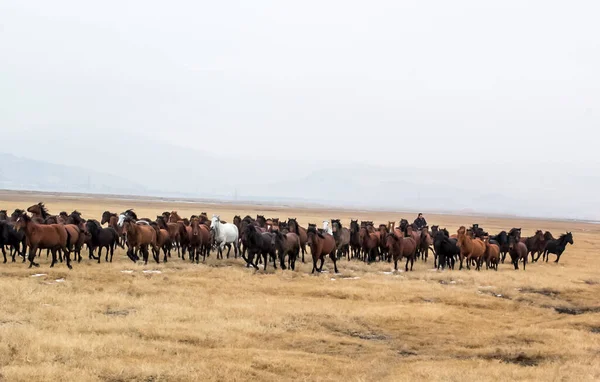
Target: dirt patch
407,353
122,313
492,293
543,291
368,336
591,282
595,329
520,359
575,311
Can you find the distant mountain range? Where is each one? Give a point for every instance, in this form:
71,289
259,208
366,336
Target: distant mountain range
130,166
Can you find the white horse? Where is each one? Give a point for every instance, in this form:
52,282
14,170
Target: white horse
327,228
122,219
225,234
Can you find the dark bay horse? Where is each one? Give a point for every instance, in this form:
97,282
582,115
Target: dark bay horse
321,245
501,240
301,232
41,215
446,249
3,215
355,243
199,240
163,241
400,247
259,244
342,238
51,236
175,231
535,244
370,244
286,244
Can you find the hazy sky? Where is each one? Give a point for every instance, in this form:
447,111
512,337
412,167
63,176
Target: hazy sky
420,82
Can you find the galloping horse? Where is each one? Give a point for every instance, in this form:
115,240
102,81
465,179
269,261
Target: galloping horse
13,238
225,233
175,231
163,241
286,244
321,245
40,214
198,239
400,247
342,238
492,255
535,244
301,232
557,247
51,236
101,238
370,244
355,243
470,248
139,237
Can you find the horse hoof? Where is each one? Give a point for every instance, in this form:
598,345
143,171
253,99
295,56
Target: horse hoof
70,266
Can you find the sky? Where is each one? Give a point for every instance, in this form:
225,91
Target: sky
428,84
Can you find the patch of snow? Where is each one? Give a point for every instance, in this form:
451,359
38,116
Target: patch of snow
152,271
39,275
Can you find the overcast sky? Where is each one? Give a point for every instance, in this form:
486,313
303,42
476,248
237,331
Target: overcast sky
425,82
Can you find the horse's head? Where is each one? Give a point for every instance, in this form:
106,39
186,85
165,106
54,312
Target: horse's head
277,239
462,231
121,220
569,238
195,225
22,221
215,221
36,209
390,240
336,225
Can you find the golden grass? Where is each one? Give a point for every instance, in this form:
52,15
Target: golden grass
221,321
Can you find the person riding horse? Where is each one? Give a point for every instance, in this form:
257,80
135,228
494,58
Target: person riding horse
420,221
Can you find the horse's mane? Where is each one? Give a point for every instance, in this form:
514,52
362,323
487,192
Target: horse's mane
130,213
43,210
563,238
312,228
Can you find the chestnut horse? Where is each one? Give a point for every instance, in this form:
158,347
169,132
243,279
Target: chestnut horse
198,239
321,244
163,240
139,237
400,247
470,248
51,236
40,214
492,255
174,229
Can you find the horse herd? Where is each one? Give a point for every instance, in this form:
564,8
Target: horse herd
260,240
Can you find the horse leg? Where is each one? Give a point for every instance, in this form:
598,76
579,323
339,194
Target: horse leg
68,257
322,257
274,257
53,258
112,250
315,264
334,259
4,253
557,257
100,254
303,251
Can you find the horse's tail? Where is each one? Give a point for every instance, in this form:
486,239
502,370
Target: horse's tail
68,244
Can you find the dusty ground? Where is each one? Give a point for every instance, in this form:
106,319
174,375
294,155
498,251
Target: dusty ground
221,321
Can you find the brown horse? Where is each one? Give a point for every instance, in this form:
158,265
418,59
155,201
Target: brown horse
79,235
40,214
301,232
355,243
321,245
174,230
112,219
342,238
139,237
400,247
492,255
286,244
199,240
470,248
370,244
535,244
174,217
163,240
518,251
52,236
424,243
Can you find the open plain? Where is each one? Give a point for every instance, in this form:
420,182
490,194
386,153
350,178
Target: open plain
221,321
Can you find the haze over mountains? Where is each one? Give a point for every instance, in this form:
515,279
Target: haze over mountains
121,164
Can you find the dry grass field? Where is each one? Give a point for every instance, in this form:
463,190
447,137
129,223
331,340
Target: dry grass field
220,321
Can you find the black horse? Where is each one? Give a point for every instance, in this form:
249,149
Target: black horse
13,238
446,249
259,244
355,244
102,238
557,246
501,240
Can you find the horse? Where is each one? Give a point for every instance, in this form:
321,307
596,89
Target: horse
139,237
513,234
355,243
51,236
225,233
321,245
501,240
163,241
557,246
370,244
446,249
478,232
175,231
286,244
259,243
101,238
400,247
492,255
9,236
470,248
342,238
518,251
425,241
40,214
301,232
75,224
198,239
261,221
535,244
